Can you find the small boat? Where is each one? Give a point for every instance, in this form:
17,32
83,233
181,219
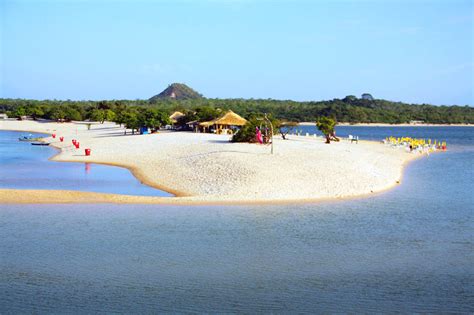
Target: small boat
39,143
29,137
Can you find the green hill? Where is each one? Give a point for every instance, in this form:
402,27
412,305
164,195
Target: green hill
177,91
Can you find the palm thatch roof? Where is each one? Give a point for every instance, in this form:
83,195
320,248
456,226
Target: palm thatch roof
175,116
228,119
207,123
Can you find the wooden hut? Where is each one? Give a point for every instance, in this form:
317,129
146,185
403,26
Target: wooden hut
193,125
175,116
225,124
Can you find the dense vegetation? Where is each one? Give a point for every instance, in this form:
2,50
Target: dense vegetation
349,109
248,132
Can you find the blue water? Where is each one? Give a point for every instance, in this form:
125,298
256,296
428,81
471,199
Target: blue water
24,166
455,136
408,250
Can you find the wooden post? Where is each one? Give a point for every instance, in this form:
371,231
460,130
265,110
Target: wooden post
271,131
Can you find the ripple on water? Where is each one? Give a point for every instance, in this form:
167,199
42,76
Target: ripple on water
407,250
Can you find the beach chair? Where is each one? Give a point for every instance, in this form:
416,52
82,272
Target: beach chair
353,138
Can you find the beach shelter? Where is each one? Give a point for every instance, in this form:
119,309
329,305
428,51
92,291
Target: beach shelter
175,116
193,125
225,124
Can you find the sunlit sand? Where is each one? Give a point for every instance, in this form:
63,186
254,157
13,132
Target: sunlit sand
207,168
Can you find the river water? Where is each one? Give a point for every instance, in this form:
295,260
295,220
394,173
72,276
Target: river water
24,166
407,250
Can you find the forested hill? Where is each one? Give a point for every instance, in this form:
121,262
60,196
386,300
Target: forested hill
178,91
349,109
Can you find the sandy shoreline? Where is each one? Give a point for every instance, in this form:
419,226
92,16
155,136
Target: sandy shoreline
207,169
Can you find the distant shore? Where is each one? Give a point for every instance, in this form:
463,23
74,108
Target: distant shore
308,123
208,169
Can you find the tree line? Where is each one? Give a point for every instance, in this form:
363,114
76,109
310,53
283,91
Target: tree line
135,112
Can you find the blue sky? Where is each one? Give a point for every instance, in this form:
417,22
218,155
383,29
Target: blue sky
411,51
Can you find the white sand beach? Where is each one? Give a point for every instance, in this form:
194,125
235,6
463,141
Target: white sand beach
207,168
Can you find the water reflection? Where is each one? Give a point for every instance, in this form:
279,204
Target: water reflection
23,166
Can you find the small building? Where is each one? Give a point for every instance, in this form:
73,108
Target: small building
225,124
3,116
176,116
193,125
416,122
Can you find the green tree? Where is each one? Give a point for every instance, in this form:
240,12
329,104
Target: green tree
58,114
103,105
248,132
286,127
350,98
153,118
72,114
97,115
19,112
207,113
131,121
119,110
109,115
35,112
326,125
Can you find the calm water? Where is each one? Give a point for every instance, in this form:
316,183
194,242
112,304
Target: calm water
455,136
410,250
24,166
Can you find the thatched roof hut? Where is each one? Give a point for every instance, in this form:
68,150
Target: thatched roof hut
225,122
175,116
231,119
207,123
228,119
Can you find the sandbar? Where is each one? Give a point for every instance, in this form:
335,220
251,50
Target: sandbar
201,168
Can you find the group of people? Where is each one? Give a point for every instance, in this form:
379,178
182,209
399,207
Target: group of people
416,145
